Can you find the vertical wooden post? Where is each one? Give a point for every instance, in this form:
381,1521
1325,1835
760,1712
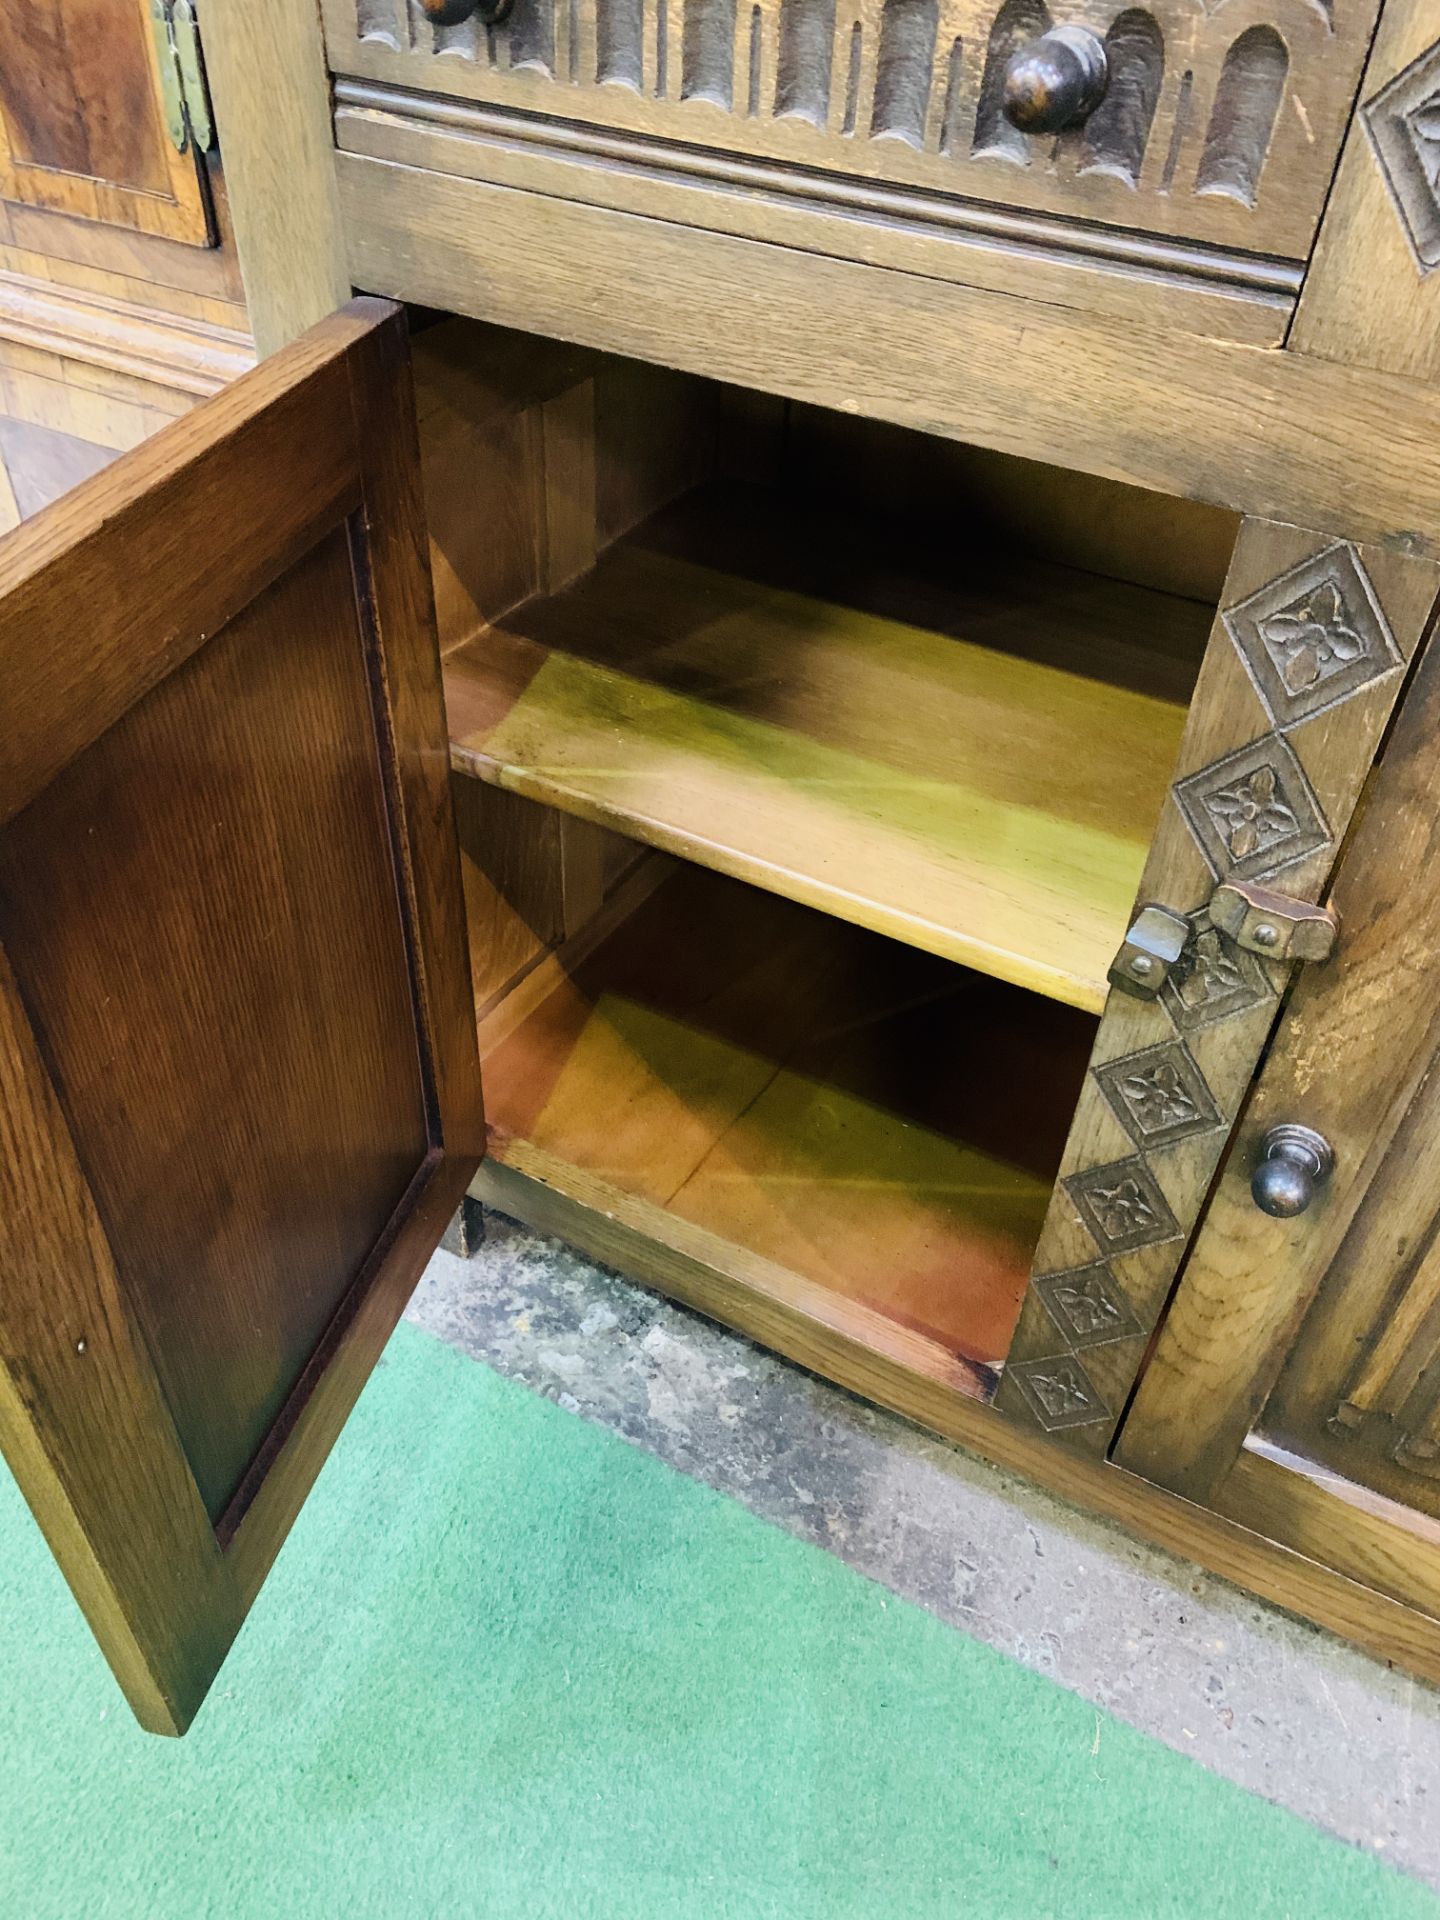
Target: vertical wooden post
265,60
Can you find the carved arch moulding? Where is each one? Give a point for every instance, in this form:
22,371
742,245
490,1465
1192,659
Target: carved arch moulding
1221,122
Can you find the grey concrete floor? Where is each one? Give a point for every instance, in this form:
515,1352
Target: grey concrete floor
1271,1703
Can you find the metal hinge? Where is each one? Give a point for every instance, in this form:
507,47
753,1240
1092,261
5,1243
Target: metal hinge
186,98
1154,944
1270,924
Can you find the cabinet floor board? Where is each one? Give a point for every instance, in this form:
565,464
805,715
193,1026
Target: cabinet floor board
866,1116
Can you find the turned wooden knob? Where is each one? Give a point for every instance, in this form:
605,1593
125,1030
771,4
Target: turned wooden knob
449,13
1053,82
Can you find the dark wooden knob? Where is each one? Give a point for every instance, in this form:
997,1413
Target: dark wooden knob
449,13
1055,81
1294,1161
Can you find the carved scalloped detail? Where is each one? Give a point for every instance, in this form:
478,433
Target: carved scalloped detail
707,57
1017,22
904,64
1242,120
620,43
925,73
1116,136
805,60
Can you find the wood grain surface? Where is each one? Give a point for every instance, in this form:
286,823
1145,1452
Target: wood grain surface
1273,763
1238,155
1357,1040
1371,297
266,67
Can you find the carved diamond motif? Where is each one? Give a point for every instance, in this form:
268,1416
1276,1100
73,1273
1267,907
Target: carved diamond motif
1314,636
1123,1206
1158,1095
1218,979
1060,1393
1403,122
1253,812
1086,1305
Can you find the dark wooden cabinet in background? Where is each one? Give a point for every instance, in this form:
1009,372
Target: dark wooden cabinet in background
119,290
84,127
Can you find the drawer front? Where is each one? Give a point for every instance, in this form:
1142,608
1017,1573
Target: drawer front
1220,124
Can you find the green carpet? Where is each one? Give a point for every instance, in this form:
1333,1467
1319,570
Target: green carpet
510,1666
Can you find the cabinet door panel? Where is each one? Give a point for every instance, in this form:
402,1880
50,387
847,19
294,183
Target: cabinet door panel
241,1096
82,125
1296,1379
1303,668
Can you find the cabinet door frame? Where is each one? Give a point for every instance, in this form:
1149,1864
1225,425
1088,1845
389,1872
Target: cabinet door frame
1354,1057
103,598
180,211
1268,775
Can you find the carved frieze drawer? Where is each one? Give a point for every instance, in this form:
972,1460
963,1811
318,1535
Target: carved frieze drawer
1213,145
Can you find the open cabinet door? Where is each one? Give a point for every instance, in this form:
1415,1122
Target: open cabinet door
239,1095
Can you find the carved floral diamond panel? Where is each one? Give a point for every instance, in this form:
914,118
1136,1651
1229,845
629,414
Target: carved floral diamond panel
1123,1206
1060,1393
1158,1095
1086,1305
1217,979
1403,122
1314,636
1253,812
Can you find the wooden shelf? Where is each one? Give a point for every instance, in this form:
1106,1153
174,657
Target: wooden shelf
974,766
832,1115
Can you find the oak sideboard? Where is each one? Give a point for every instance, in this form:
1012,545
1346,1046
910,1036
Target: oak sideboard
863,665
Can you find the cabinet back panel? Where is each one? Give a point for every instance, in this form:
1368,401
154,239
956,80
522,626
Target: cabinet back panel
970,498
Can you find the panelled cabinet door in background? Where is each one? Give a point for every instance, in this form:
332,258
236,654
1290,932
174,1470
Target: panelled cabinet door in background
85,127
239,1095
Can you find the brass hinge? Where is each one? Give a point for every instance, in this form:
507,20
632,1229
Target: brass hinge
186,98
